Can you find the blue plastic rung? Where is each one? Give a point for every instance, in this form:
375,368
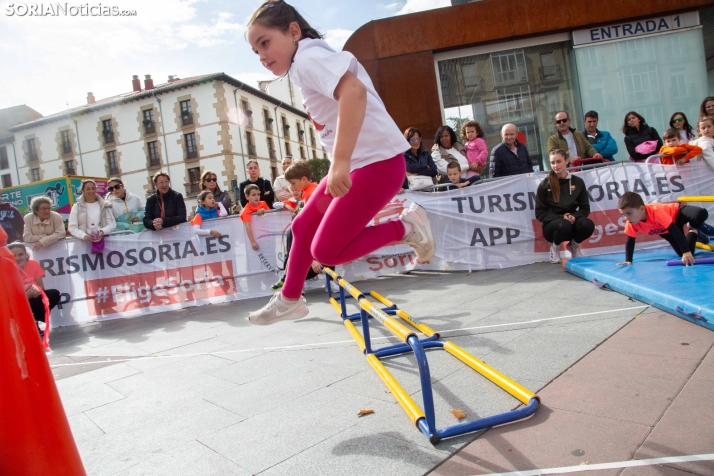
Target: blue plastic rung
400,348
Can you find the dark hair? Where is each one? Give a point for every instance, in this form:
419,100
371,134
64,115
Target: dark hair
553,180
279,15
703,107
630,200
687,126
115,179
205,174
249,188
473,123
439,131
85,182
158,174
16,244
670,134
252,161
626,128
298,170
410,131
592,114
453,165
202,196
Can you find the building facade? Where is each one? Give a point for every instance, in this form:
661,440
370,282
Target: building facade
487,61
184,126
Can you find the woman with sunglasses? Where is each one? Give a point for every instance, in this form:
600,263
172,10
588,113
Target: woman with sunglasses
209,181
421,169
641,140
127,207
686,131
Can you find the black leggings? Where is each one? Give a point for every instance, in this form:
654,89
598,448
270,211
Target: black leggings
38,309
695,216
560,230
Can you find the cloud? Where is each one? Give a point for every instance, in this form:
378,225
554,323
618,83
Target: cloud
391,6
337,38
412,6
251,79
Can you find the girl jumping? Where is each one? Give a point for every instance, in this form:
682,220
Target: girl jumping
365,174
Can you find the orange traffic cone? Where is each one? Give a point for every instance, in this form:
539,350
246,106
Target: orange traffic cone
35,437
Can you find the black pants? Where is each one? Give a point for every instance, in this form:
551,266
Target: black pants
695,216
560,230
38,309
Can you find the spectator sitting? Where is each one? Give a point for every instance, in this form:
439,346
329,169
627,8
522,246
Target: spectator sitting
43,226
510,157
281,187
253,205
707,107
11,221
453,172
127,207
421,170
637,132
675,150
447,149
564,215
207,209
679,121
476,149
32,280
209,181
705,127
572,141
601,141
266,191
166,207
91,216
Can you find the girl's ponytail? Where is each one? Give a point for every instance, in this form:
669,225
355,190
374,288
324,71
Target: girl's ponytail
279,15
554,185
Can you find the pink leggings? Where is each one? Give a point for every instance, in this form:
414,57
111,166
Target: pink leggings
334,230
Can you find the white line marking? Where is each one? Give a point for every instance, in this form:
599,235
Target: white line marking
318,344
599,466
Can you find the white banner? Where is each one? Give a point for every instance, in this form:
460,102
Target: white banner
491,225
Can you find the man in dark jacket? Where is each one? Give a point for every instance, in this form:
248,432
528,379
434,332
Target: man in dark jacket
11,221
510,157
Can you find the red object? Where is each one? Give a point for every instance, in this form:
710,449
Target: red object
521,137
35,437
135,83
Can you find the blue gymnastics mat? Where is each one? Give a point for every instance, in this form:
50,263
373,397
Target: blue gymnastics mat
683,291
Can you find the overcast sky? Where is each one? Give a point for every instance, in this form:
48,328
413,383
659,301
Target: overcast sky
50,62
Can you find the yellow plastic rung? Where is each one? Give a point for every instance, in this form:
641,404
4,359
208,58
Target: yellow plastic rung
705,247
426,330
381,298
697,198
407,403
517,390
336,305
355,334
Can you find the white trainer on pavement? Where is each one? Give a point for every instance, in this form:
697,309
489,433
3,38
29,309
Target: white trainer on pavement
574,249
278,309
554,253
420,237
334,286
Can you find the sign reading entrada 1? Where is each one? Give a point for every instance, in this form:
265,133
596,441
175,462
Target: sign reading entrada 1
632,29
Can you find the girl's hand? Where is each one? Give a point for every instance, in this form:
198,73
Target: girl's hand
338,179
37,247
687,259
100,235
474,166
624,263
316,267
215,233
254,244
569,217
681,162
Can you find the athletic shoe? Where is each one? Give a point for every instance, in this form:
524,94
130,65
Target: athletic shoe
333,285
420,237
277,285
574,249
278,309
702,238
707,229
554,253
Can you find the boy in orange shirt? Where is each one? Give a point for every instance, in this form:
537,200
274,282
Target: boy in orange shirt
254,205
678,151
664,219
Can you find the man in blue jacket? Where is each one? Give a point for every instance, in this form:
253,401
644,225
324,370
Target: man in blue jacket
601,141
510,157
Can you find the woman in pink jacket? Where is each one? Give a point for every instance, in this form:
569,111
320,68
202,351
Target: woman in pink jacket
476,150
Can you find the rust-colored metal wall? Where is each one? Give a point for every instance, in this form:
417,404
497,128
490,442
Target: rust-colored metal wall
398,52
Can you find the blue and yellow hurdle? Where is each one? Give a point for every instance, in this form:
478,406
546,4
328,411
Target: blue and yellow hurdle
424,419
698,198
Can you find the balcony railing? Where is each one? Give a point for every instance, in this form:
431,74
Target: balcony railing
187,119
193,188
69,168
150,128
67,149
286,131
251,149
192,154
271,153
108,138
114,171
550,73
32,155
154,162
301,136
249,117
269,126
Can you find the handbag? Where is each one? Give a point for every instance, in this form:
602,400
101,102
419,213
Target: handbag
647,147
419,181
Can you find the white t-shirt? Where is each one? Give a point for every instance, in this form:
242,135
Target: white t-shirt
441,163
317,69
94,211
281,187
572,148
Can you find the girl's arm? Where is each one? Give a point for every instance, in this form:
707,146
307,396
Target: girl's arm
200,231
351,97
222,210
692,151
481,151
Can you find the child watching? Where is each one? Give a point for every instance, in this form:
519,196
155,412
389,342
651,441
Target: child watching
664,219
453,172
676,150
207,209
476,148
705,127
254,205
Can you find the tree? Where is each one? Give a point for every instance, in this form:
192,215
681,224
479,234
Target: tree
318,169
456,123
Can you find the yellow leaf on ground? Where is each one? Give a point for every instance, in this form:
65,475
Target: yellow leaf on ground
459,414
365,411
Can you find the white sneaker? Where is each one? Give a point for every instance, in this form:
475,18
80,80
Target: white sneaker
334,286
554,253
420,237
574,249
278,309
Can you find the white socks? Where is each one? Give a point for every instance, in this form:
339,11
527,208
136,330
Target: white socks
408,228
